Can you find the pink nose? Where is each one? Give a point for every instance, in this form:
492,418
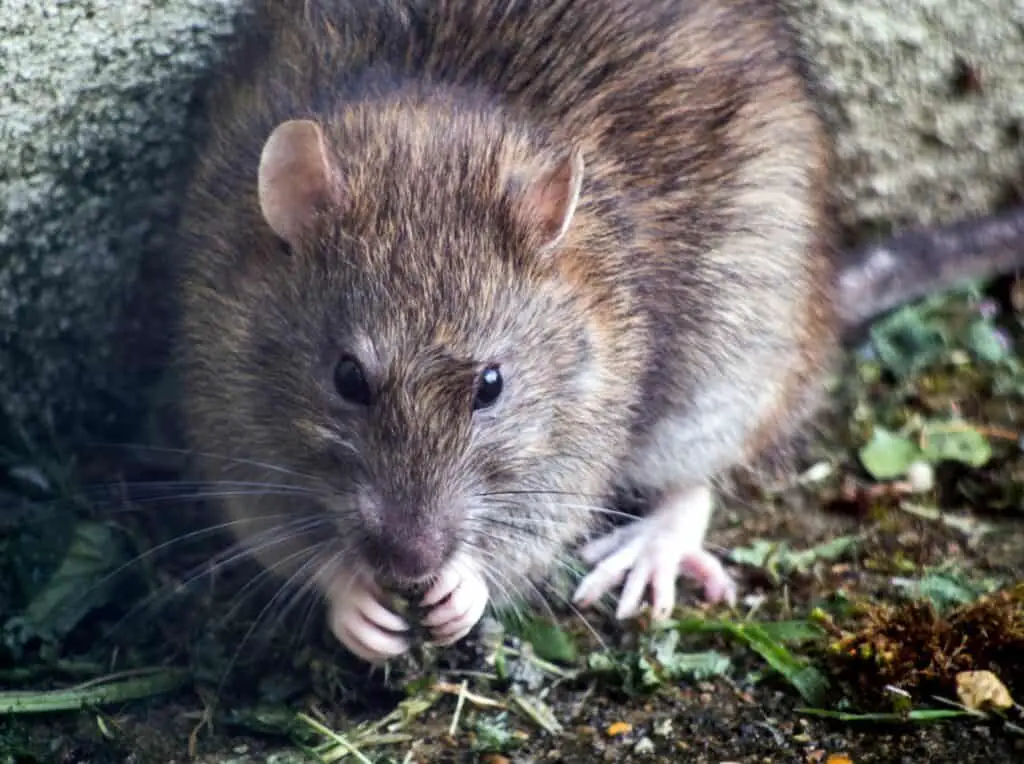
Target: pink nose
408,555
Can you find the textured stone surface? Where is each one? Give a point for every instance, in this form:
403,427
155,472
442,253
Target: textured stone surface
94,104
94,97
927,97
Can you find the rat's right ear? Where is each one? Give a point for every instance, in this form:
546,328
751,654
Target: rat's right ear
548,196
296,178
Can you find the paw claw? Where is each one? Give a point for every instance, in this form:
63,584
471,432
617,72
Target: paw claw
457,601
363,624
705,568
650,553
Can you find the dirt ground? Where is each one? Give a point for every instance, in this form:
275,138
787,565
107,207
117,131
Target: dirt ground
821,543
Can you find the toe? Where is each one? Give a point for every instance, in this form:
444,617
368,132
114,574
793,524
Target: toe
363,624
446,583
603,546
456,616
704,568
663,592
597,583
608,573
365,639
372,645
376,613
632,596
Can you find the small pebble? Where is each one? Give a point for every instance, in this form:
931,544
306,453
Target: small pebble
619,728
644,746
921,477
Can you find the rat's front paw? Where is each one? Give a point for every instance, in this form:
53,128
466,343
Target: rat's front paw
362,623
455,602
651,553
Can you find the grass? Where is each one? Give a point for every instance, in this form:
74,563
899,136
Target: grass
882,615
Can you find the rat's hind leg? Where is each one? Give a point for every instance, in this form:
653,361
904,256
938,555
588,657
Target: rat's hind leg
652,552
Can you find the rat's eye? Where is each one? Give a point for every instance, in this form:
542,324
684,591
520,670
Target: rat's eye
488,388
351,382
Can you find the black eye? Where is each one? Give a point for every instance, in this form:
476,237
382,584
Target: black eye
488,388
351,382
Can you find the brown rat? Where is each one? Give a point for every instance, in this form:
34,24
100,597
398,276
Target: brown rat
456,271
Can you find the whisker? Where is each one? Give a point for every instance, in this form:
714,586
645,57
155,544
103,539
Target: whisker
313,555
307,590
237,552
265,573
143,503
540,593
207,455
143,556
545,492
595,509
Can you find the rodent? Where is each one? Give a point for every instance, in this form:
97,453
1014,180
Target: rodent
455,272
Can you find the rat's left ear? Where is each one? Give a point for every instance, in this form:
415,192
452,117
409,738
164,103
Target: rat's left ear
547,197
296,178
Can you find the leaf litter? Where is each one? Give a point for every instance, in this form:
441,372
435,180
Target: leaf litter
900,619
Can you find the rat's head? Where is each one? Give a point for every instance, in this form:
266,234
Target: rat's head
427,343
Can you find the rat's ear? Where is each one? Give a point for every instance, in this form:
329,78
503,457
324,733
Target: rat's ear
296,178
548,198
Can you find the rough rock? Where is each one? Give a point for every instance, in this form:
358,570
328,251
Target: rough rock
95,115
927,100
95,97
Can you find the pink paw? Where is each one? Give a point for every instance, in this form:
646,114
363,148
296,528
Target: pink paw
457,600
650,553
362,623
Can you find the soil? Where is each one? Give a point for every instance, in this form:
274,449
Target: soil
248,682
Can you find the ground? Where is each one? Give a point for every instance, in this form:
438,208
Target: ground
879,567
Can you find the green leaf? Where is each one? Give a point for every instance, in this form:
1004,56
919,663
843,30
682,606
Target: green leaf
956,442
649,675
777,558
493,734
548,640
946,589
792,632
805,678
828,551
888,456
601,663
756,555
984,341
799,672
80,584
698,666
679,665
906,341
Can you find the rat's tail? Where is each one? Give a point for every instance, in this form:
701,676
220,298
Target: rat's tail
880,277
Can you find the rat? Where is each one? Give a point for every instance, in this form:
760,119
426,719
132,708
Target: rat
455,273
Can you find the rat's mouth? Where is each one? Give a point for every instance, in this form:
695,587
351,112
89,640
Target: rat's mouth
406,546
409,566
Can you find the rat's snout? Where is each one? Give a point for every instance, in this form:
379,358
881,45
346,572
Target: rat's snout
408,551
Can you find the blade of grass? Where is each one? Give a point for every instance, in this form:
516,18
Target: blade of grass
915,715
805,678
116,688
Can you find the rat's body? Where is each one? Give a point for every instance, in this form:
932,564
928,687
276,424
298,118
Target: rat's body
457,270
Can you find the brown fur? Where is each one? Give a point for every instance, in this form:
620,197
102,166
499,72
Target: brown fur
676,329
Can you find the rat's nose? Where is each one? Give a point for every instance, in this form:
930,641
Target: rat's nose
409,554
